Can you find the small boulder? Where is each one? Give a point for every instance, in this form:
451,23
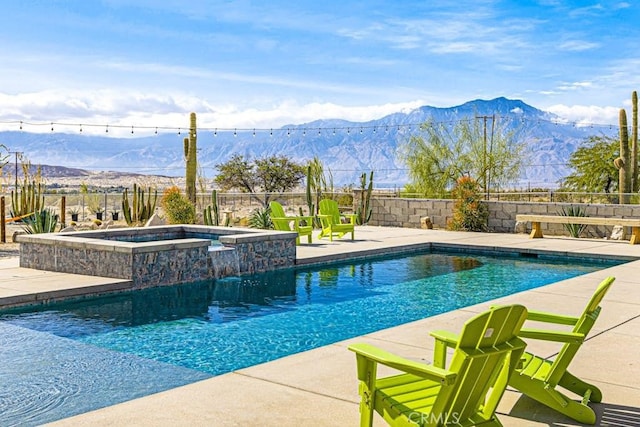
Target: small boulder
425,222
521,227
155,220
617,233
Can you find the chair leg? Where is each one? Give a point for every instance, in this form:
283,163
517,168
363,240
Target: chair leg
553,399
580,387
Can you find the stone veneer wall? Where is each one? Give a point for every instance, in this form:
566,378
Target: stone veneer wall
400,212
170,256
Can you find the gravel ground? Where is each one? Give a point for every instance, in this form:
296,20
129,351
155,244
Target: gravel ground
8,250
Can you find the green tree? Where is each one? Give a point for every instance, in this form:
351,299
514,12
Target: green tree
4,156
439,155
593,167
273,174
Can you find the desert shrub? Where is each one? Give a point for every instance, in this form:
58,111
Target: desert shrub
42,221
574,230
177,207
469,212
261,218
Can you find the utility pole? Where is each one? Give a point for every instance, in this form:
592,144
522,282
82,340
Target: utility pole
485,167
15,177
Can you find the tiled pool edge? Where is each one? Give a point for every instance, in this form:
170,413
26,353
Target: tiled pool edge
457,247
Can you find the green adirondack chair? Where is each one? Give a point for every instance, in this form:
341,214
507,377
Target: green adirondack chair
466,393
331,221
281,222
539,377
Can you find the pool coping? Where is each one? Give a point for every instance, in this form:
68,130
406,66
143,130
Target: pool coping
319,387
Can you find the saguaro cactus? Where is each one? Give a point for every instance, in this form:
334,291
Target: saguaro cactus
191,160
634,142
623,163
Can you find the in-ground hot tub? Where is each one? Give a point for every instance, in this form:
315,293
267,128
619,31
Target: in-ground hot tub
160,255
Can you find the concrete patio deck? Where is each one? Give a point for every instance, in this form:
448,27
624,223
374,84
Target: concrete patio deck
319,387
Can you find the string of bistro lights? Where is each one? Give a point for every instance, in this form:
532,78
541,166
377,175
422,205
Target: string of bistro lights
290,130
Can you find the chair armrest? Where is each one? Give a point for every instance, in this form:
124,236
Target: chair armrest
430,372
556,336
541,316
282,218
443,339
560,319
351,218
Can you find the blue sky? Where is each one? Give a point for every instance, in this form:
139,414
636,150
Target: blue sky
268,63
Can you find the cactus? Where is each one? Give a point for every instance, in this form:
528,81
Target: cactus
138,211
28,200
190,145
310,205
623,163
634,142
364,211
211,214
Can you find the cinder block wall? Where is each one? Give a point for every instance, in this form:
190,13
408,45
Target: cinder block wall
399,212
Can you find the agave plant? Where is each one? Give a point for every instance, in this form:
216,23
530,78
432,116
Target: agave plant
574,229
42,221
261,218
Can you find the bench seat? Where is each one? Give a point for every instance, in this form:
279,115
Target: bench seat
536,220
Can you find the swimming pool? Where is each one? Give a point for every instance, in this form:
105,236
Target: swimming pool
160,338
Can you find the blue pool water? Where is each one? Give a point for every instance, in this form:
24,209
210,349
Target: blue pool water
191,332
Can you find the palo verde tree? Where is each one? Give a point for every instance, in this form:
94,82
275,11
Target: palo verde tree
592,165
439,155
273,174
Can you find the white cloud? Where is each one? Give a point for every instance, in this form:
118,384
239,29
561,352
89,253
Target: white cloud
586,115
578,45
142,113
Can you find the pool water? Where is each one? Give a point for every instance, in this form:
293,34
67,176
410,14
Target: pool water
210,328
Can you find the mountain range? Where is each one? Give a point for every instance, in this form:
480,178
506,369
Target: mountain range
346,148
